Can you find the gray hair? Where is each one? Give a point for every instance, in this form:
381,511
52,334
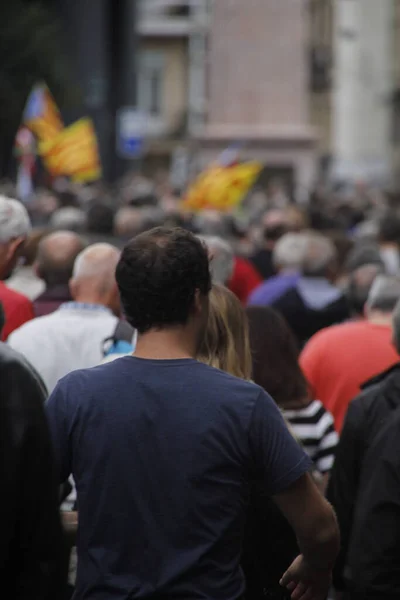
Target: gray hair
70,218
14,220
289,251
366,253
222,259
320,253
384,293
360,284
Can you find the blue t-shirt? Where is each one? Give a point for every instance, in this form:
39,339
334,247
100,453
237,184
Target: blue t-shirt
162,453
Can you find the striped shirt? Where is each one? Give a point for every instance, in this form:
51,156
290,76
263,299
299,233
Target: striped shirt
313,426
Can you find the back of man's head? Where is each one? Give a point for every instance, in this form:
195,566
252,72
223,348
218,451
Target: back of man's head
93,276
222,260
128,222
15,225
160,275
384,295
289,252
365,253
56,256
359,287
320,255
99,218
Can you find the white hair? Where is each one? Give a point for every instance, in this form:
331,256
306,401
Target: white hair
97,261
14,220
68,217
384,293
319,254
289,251
222,260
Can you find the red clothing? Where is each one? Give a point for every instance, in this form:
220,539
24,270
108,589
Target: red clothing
244,280
338,360
17,310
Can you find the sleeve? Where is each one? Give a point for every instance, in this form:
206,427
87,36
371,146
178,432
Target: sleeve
329,439
22,313
343,482
278,458
57,416
40,551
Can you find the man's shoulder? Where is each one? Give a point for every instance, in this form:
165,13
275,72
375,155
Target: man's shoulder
12,362
14,297
340,331
33,326
203,379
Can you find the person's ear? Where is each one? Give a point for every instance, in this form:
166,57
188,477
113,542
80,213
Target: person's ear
36,270
200,305
197,303
14,248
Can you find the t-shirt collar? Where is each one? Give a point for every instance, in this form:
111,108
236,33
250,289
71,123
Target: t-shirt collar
84,306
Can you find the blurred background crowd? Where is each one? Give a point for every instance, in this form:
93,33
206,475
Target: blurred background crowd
304,258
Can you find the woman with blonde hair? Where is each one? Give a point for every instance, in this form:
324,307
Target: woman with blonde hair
226,346
226,343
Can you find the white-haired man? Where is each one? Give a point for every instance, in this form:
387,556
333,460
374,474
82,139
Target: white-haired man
315,301
72,337
14,228
288,257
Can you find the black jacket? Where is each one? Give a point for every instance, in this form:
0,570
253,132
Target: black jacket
304,320
32,553
366,416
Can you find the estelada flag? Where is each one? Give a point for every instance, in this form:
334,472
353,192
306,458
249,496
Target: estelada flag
73,152
221,188
41,114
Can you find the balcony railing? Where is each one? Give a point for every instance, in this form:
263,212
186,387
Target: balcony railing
169,18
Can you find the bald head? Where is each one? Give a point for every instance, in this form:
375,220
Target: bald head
56,256
95,267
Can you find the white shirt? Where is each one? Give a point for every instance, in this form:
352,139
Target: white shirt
68,339
26,282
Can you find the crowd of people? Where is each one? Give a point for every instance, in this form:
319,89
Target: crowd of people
203,405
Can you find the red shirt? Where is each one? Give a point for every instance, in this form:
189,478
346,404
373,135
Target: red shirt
338,360
17,310
244,280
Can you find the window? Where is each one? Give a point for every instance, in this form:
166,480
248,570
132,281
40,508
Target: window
151,82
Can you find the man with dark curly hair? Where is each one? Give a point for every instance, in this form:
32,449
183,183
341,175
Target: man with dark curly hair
163,449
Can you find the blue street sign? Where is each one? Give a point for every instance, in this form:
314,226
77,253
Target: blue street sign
130,132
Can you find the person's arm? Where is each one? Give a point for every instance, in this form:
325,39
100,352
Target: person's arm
314,522
283,466
344,481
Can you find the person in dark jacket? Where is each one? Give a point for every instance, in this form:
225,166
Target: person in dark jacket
350,478
373,561
32,554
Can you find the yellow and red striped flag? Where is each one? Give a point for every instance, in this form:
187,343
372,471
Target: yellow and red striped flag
41,114
221,188
73,153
